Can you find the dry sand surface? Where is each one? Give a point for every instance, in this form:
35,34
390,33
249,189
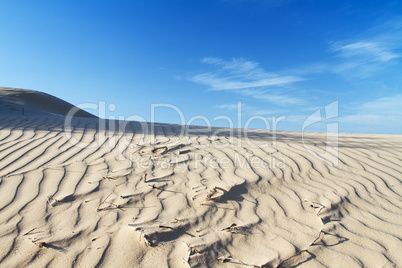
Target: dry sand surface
86,197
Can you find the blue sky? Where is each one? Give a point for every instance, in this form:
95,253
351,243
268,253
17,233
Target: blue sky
283,60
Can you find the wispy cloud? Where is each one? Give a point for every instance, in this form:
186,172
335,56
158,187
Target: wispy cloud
378,49
369,119
216,82
267,112
362,57
247,78
248,109
369,54
383,113
367,51
382,106
240,74
271,97
227,106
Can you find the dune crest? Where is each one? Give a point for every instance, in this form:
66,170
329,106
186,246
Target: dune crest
17,101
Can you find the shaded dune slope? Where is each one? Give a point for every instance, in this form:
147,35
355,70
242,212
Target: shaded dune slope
16,101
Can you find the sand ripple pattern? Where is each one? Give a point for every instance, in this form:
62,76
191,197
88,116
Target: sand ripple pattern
127,197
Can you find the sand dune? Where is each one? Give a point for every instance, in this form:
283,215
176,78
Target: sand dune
17,101
87,197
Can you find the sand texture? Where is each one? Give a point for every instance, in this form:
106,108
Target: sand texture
134,199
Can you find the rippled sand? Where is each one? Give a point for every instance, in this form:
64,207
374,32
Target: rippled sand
130,198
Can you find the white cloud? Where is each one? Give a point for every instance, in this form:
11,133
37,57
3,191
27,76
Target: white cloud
370,54
362,58
375,50
227,106
382,115
240,74
367,51
250,110
247,78
271,97
385,106
368,119
216,82
236,65
267,112
383,112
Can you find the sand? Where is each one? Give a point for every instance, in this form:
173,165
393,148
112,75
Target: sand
84,196
17,101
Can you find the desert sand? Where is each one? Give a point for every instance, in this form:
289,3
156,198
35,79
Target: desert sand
92,193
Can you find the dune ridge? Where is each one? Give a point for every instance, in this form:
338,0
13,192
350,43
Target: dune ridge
18,101
107,198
